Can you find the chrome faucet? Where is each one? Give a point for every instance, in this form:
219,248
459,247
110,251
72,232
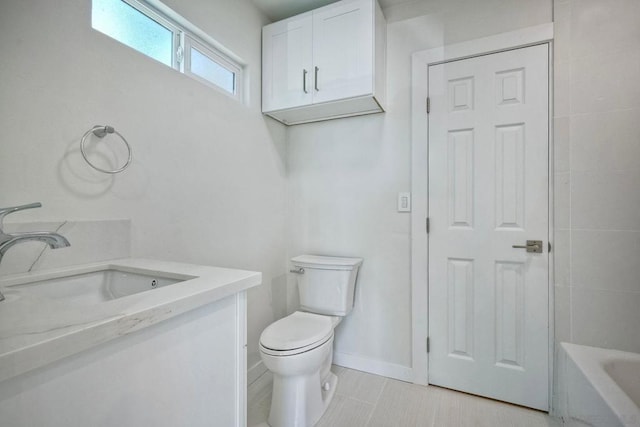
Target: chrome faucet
7,240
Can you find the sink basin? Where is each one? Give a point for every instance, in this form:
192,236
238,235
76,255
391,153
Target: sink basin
97,286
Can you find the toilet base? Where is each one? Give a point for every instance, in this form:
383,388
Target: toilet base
300,401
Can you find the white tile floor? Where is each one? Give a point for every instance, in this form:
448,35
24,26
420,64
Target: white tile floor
364,399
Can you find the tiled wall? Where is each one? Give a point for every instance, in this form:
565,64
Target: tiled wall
597,172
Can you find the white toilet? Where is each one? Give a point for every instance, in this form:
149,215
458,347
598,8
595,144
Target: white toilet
298,349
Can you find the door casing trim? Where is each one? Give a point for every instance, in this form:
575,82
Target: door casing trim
420,61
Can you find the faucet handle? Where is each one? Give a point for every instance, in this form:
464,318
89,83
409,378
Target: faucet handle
6,211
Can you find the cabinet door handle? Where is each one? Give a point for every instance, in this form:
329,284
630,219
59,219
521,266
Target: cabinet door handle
316,79
304,80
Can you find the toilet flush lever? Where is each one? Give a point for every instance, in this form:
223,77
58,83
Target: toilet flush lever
298,270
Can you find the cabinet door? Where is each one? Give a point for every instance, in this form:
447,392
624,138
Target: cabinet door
343,50
287,76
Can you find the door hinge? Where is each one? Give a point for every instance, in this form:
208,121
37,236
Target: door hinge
549,245
428,347
428,225
428,105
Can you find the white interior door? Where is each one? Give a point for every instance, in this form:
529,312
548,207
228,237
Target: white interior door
488,191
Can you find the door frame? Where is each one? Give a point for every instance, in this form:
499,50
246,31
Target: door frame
420,61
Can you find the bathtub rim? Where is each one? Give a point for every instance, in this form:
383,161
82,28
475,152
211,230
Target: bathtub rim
590,361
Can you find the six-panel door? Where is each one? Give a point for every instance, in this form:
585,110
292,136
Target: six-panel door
488,192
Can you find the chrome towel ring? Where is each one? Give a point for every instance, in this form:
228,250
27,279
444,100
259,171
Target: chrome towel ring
101,132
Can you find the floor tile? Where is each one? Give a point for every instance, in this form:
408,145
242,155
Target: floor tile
369,400
346,412
258,411
462,410
405,404
359,385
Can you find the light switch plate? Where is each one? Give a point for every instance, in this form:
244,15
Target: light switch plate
404,202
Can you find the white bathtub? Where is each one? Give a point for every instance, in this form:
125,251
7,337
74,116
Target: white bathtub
599,387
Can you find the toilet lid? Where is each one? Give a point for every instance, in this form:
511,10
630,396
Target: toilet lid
297,330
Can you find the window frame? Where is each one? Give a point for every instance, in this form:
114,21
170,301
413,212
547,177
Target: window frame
184,37
216,56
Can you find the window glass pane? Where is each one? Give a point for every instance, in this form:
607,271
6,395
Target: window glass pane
117,19
205,67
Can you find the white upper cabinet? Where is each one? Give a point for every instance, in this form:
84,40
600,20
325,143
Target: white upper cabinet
343,51
325,64
286,54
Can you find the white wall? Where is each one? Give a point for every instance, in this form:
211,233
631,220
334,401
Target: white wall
344,176
208,180
597,171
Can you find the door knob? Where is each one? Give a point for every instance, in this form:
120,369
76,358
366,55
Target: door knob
533,246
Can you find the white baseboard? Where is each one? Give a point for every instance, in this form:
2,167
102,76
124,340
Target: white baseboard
256,371
386,369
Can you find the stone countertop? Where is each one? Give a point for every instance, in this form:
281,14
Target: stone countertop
36,331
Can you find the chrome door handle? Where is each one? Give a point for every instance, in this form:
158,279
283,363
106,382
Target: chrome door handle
532,246
304,81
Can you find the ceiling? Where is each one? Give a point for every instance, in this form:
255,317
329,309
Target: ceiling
280,9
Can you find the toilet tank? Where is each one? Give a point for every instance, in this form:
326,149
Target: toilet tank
326,284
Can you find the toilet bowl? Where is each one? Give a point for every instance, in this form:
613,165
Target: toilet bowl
303,384
298,349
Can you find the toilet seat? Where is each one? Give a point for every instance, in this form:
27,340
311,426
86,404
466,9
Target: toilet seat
267,351
296,333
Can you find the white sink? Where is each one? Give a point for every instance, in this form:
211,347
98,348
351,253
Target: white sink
97,286
52,314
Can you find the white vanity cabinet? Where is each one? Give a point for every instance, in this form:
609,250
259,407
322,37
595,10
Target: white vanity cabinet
74,352
325,64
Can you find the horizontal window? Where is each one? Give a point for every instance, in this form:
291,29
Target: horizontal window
203,63
158,36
